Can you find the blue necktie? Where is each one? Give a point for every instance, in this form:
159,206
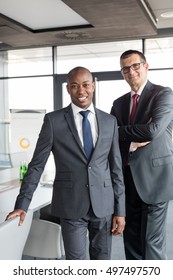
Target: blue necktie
87,135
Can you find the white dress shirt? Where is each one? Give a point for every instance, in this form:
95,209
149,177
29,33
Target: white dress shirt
92,119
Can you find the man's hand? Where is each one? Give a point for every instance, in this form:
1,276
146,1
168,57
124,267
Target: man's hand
118,224
135,145
15,213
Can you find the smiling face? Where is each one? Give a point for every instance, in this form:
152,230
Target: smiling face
135,78
80,86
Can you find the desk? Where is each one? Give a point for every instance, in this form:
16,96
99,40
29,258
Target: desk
9,189
3,215
9,174
42,197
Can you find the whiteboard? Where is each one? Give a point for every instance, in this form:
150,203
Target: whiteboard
25,126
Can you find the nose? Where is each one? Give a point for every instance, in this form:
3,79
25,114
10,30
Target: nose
80,88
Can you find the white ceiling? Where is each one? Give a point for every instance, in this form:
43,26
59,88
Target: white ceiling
35,23
41,14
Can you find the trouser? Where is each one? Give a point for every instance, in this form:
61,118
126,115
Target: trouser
145,231
74,234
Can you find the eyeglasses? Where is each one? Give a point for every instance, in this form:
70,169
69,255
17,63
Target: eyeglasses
134,66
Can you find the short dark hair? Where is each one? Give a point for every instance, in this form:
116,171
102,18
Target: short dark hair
128,53
76,69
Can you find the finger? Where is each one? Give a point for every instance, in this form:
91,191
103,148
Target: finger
10,216
21,220
118,230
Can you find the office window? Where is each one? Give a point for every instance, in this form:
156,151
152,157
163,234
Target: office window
107,91
31,93
30,62
95,57
159,52
161,77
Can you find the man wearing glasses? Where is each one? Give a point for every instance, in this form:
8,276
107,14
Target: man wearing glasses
145,119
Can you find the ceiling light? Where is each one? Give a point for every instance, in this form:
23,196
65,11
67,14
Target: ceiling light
167,15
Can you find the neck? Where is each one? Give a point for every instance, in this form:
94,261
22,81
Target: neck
135,89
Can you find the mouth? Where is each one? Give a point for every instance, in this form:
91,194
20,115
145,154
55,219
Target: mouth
133,76
82,98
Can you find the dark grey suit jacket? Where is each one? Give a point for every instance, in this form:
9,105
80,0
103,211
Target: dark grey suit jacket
152,165
77,183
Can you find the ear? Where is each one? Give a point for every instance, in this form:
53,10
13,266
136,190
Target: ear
93,86
146,66
67,87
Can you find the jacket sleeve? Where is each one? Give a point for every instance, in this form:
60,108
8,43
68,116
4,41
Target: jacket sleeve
160,116
117,175
36,166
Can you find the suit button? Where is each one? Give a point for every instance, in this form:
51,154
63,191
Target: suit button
87,186
89,167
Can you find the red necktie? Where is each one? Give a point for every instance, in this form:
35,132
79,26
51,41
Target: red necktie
135,97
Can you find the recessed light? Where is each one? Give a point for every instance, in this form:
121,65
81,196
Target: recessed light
167,15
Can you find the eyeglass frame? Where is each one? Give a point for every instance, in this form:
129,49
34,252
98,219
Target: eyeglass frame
138,64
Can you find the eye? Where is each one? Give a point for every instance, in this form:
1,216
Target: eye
87,86
135,65
74,86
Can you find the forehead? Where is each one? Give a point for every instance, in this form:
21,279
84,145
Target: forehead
134,58
80,75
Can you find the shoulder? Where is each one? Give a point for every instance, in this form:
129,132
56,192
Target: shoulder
158,88
105,116
160,94
120,100
57,113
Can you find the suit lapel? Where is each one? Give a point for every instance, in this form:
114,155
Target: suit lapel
71,124
126,109
100,124
143,102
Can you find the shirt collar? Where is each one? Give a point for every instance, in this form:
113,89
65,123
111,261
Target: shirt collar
77,109
139,90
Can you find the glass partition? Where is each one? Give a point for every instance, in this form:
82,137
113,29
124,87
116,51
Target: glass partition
161,77
95,57
159,52
27,78
30,62
4,114
31,93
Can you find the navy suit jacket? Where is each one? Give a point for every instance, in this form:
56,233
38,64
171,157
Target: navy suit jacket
78,183
152,165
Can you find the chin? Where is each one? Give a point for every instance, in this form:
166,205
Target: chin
84,106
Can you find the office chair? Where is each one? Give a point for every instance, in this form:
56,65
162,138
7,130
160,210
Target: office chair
44,240
13,237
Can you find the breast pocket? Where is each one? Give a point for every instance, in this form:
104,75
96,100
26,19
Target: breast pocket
162,160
